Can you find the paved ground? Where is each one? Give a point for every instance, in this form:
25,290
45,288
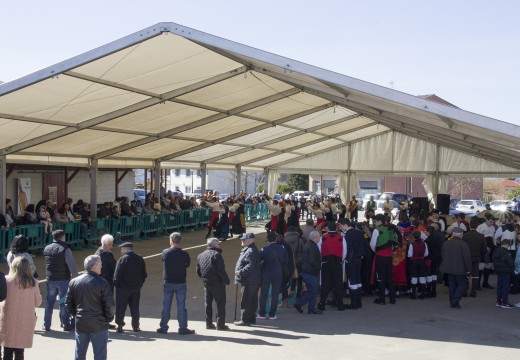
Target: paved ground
427,329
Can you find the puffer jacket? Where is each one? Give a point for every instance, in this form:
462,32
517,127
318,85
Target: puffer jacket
211,268
503,262
248,266
90,301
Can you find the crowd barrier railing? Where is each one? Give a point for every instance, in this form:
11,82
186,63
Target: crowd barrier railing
79,235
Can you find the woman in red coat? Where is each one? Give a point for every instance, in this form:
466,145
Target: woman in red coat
17,316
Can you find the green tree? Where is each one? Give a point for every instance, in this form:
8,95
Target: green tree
514,193
298,181
260,187
284,188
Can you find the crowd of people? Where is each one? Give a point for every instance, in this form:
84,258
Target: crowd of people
315,265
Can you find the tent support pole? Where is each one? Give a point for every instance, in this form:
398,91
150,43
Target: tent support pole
93,188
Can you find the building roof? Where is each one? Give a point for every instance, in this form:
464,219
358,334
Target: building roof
176,96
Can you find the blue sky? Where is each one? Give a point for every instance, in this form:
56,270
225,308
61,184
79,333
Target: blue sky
467,52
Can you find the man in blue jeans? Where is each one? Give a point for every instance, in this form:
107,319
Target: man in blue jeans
311,266
90,301
175,262
59,268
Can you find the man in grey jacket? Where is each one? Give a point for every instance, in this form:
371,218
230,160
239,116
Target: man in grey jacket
248,274
456,263
311,266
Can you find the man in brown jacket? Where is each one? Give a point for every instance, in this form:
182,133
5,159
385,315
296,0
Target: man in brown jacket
477,248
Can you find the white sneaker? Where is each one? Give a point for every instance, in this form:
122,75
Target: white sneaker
260,317
273,317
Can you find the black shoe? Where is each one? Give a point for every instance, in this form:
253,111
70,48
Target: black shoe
136,329
186,332
341,307
241,323
298,308
112,326
455,305
321,306
46,328
487,286
351,307
162,331
210,326
120,329
315,312
223,328
379,302
68,328
392,302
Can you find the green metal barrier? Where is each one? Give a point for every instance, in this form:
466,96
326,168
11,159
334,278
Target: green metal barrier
98,228
72,232
189,219
150,223
249,212
36,235
204,215
6,238
129,226
171,221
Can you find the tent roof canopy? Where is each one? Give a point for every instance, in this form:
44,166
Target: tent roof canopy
185,98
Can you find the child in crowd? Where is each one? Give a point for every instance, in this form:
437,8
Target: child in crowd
504,266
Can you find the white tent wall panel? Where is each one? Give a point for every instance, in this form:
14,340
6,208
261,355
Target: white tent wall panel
373,153
336,159
159,118
13,132
48,160
457,162
412,154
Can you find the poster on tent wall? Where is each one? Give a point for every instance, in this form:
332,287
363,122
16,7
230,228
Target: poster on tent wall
24,194
53,194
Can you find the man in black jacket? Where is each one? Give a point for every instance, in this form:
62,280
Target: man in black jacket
355,252
477,248
129,278
59,269
212,271
90,301
248,274
311,266
175,262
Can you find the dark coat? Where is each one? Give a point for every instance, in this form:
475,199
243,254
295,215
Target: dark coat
3,287
477,244
90,301
271,266
311,260
296,243
130,271
502,261
434,242
248,266
456,257
108,268
211,268
355,244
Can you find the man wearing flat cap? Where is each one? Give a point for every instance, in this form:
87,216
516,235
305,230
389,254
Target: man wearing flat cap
129,278
248,275
212,271
456,263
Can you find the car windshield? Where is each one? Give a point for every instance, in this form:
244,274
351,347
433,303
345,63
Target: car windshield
465,202
139,192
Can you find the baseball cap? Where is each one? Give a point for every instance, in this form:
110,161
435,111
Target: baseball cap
247,236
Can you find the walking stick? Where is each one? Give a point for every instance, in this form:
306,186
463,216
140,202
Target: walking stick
236,300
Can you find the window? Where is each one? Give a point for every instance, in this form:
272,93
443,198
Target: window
188,172
198,173
177,172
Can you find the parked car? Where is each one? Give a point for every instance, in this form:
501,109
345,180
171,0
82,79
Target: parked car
471,206
500,205
306,194
139,197
515,203
453,204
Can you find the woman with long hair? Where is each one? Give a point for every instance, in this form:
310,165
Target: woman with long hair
17,316
20,247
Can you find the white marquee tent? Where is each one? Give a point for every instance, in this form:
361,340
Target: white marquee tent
174,97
